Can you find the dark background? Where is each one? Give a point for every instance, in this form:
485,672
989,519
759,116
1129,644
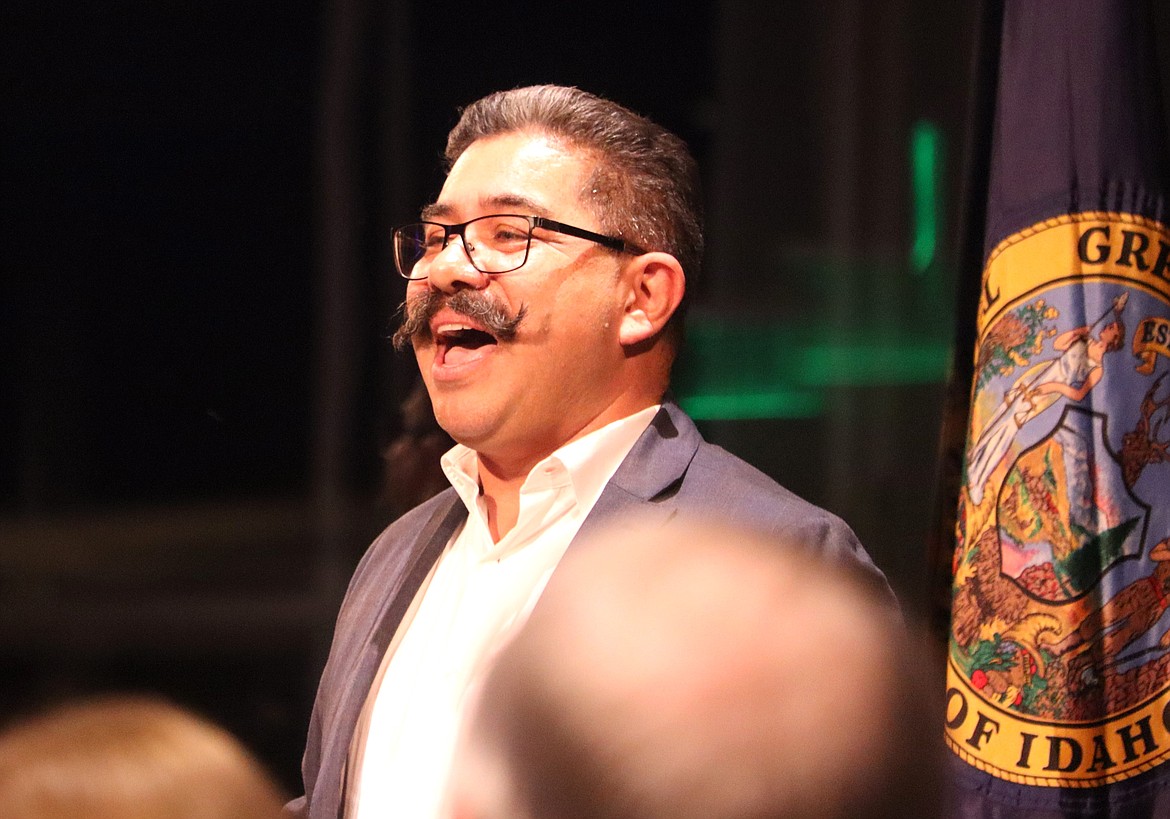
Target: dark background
197,387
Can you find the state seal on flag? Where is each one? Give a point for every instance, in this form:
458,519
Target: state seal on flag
1059,668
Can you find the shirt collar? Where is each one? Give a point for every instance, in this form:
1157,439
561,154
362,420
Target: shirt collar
587,462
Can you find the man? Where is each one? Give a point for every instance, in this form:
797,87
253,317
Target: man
544,310
699,671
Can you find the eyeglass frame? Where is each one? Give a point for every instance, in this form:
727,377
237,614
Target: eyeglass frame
615,243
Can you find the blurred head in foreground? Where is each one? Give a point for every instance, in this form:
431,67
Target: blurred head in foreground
697,671
129,758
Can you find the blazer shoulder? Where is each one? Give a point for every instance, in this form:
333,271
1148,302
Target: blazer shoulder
726,486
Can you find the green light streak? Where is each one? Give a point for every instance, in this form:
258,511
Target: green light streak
775,403
866,364
733,371
925,168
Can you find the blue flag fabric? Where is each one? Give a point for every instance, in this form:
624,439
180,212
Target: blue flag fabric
1058,679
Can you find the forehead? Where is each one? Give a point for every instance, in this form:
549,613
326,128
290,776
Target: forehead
530,173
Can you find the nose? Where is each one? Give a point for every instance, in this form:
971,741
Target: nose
452,270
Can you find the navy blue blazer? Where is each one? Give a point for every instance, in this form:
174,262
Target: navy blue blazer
670,469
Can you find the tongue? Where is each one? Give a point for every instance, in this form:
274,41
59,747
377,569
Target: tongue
467,350
458,355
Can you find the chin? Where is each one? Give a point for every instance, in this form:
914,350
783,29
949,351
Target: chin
469,431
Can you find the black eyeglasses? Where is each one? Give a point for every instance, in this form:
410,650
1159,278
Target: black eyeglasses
497,243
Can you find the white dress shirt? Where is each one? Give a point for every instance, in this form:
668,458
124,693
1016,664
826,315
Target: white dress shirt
476,594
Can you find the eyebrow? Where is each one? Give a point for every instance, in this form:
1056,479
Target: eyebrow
440,210
434,211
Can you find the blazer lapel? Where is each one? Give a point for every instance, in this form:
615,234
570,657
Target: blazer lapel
644,482
430,544
402,584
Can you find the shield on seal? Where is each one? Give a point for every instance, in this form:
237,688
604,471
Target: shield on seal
1064,513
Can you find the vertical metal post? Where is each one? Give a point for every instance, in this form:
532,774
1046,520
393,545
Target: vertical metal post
336,360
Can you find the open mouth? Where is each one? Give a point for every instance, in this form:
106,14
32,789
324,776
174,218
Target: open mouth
459,343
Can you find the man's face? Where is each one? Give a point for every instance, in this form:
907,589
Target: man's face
515,400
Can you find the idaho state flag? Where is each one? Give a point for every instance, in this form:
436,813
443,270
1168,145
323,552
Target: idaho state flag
1058,680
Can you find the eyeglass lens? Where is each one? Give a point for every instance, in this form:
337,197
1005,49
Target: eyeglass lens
494,244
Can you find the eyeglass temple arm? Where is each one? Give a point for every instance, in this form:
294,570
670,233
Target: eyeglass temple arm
612,242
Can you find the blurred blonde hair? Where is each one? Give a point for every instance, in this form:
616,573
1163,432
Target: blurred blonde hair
130,757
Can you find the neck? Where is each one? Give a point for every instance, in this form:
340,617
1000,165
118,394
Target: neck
501,495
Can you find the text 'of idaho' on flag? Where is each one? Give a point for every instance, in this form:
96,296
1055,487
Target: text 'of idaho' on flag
1058,688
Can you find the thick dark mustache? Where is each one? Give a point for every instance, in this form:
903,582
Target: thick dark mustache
417,313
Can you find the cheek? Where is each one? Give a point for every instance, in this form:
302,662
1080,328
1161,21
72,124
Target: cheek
577,324
584,304
602,319
592,310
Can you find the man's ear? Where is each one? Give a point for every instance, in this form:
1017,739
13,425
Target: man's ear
656,286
